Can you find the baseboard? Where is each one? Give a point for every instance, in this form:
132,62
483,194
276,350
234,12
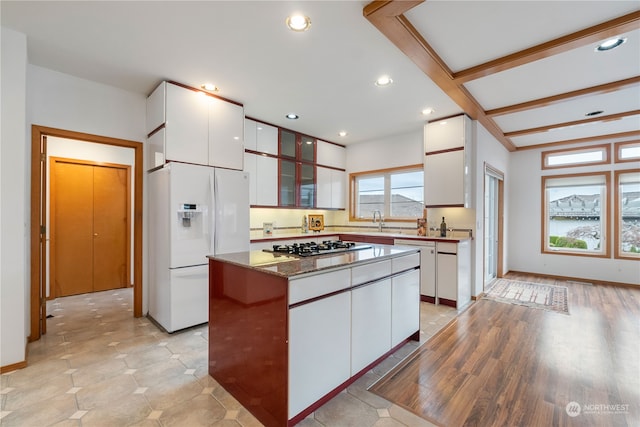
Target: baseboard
13,367
477,297
576,279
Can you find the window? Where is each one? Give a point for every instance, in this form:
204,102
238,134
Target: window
397,193
628,214
627,151
575,214
594,155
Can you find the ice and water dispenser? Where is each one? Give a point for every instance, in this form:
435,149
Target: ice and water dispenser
191,217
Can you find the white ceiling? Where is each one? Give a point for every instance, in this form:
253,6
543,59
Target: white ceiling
326,74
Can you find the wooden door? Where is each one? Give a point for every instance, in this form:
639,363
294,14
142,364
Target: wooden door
89,227
110,228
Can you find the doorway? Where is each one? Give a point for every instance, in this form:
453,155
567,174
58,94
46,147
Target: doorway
493,224
39,215
89,226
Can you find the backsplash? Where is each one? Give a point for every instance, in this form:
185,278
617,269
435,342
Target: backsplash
289,221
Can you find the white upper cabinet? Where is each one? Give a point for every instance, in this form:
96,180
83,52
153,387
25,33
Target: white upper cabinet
266,138
447,162
250,134
328,154
445,134
199,129
266,181
263,170
260,137
156,108
226,129
187,126
330,185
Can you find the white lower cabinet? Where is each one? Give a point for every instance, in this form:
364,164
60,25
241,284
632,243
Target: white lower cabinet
405,305
370,308
453,281
319,349
370,323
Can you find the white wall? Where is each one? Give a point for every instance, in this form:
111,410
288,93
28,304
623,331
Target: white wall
525,224
489,150
14,197
67,102
54,100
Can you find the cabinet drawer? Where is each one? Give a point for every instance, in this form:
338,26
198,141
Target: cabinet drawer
451,248
318,285
369,272
405,263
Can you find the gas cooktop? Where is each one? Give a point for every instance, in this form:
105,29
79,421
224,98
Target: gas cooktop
313,248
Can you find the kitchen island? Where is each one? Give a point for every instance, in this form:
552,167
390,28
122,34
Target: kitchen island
287,333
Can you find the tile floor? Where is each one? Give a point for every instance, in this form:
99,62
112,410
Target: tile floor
99,366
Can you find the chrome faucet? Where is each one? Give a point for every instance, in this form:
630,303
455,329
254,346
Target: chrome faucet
380,219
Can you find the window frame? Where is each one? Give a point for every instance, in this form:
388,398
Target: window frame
618,254
353,177
618,146
605,209
605,148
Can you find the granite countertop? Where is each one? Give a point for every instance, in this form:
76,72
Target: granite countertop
299,235
286,265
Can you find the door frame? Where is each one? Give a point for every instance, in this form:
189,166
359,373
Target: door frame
52,224
38,211
499,175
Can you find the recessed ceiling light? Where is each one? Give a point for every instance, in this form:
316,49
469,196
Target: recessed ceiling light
384,81
428,111
298,22
292,116
308,142
443,123
209,87
342,133
610,44
594,113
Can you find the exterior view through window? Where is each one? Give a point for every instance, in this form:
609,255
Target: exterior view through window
397,193
575,214
628,201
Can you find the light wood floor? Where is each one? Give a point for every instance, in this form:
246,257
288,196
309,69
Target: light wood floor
506,365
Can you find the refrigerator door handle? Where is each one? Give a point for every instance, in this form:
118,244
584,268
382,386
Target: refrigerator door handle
212,221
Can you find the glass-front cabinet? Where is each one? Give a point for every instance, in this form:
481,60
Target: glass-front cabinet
297,177
287,183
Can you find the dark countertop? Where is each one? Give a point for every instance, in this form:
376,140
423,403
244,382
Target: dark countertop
286,265
345,234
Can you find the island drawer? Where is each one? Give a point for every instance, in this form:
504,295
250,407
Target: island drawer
405,262
318,285
369,272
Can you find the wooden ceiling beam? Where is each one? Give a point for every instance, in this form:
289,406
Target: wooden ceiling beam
591,35
387,17
573,123
563,97
610,136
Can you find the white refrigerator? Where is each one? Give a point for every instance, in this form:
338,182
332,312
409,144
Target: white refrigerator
194,211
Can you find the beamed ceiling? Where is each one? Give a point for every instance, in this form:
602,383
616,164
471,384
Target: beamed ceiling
526,70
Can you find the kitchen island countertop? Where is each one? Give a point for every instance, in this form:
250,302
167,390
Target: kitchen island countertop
286,265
